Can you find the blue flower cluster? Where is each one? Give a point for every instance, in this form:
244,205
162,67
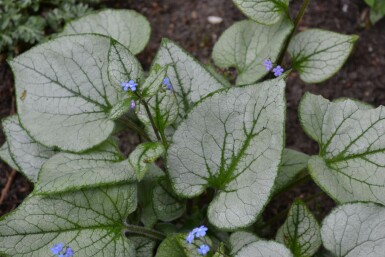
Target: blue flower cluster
197,233
62,251
129,85
278,70
167,83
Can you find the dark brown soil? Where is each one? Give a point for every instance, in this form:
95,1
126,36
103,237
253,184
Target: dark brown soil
186,23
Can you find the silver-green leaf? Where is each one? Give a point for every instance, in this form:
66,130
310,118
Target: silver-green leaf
300,232
144,155
240,239
191,81
319,54
126,26
263,11
355,230
5,155
246,44
63,84
350,166
144,247
293,162
89,221
263,248
97,167
28,155
154,81
167,207
232,141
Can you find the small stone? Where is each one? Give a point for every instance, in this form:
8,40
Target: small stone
214,19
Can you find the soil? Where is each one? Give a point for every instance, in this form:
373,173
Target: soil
185,22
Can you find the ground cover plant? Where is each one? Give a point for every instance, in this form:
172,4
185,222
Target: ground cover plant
222,146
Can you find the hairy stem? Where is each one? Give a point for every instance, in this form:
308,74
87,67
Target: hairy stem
297,20
142,231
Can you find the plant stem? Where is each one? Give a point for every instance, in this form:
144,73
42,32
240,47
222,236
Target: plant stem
142,231
297,20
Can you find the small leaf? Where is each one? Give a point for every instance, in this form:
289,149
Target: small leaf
319,54
191,82
90,221
6,156
266,12
246,44
145,196
122,66
126,26
63,84
27,154
240,239
231,141
300,232
119,109
144,247
167,207
176,246
144,155
97,167
355,230
263,248
352,148
154,81
293,162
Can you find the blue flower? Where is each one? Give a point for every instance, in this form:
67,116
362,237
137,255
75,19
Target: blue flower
268,64
57,248
278,71
190,238
69,252
132,104
203,249
201,231
129,85
167,83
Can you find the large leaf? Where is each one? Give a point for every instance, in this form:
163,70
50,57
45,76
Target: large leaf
263,11
97,167
231,141
126,26
27,154
352,148
64,95
189,79
144,155
293,162
176,246
263,248
246,44
300,232
319,54
89,221
355,230
5,155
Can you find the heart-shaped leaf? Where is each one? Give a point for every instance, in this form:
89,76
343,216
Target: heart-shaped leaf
63,84
293,162
263,11
101,166
355,230
5,155
190,81
154,81
27,154
352,148
89,221
144,155
300,232
232,141
319,54
126,26
246,44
